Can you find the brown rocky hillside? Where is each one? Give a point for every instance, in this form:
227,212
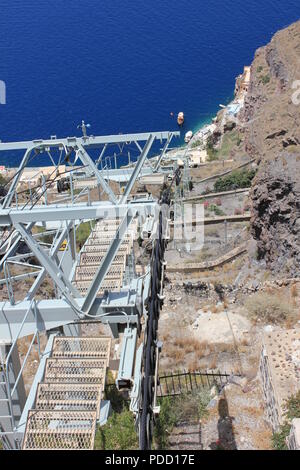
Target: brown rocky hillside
272,135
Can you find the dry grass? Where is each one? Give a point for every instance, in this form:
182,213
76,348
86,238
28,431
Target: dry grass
211,231
294,293
270,308
183,351
191,345
245,342
262,440
214,362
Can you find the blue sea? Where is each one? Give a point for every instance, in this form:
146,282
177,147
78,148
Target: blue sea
122,65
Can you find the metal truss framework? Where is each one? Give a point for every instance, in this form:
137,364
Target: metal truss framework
30,316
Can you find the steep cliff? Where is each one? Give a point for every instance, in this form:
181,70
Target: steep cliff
271,123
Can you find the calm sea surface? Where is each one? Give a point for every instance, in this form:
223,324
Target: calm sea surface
123,65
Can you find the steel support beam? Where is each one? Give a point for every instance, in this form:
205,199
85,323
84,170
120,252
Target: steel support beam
57,275
89,141
37,283
93,170
124,379
138,168
80,211
13,248
7,421
136,388
156,167
13,186
55,313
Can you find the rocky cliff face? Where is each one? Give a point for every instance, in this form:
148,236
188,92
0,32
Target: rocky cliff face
271,119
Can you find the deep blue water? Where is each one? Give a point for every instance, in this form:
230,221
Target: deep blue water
124,65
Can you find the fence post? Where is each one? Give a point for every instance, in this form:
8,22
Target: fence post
179,383
191,381
173,385
186,382
194,374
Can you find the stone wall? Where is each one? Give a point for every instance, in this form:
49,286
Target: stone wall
271,404
293,440
279,372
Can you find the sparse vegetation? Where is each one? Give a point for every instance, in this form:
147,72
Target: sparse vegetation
265,79
83,232
186,407
211,151
293,411
215,209
197,143
269,307
235,180
230,140
118,433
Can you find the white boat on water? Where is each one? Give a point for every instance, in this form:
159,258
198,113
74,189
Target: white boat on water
180,118
188,136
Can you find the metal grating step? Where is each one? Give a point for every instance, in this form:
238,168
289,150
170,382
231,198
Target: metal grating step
110,234
87,273
59,430
105,222
77,347
75,371
109,284
71,397
102,245
107,234
95,258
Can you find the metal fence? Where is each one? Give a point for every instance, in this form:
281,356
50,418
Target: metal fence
178,383
186,382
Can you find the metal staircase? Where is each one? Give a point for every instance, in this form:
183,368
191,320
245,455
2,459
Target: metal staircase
67,404
94,251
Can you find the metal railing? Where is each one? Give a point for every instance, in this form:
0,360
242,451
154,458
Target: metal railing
174,384
188,381
5,366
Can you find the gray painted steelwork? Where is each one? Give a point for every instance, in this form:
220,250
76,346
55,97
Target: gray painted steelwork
66,312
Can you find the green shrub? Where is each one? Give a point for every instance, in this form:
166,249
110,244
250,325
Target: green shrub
196,143
165,422
265,79
118,433
186,407
215,209
293,411
235,180
83,232
211,151
278,438
3,180
117,400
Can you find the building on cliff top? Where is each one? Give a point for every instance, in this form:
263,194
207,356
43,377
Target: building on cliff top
280,372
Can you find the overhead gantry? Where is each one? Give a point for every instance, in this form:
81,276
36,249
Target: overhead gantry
100,283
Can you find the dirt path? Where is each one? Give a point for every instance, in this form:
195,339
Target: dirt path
235,421
186,436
